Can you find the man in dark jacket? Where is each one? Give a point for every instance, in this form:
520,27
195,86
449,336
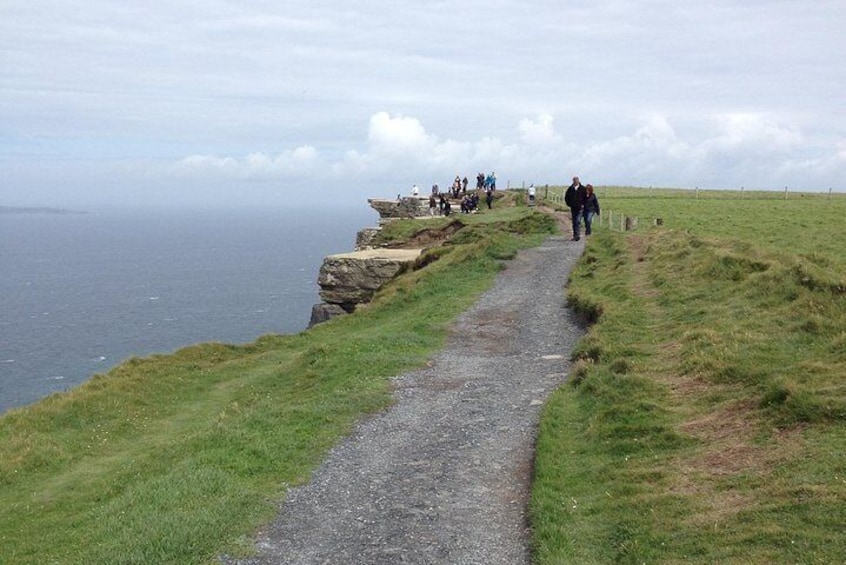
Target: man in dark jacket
574,198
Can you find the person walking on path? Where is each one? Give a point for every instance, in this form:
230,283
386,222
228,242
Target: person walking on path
591,207
443,476
574,198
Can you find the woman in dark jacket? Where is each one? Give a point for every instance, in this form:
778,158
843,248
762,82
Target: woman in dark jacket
591,207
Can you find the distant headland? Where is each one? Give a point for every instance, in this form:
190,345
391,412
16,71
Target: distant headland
36,210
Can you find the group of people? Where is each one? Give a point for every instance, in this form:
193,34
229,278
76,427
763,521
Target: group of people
439,203
583,205
469,203
486,183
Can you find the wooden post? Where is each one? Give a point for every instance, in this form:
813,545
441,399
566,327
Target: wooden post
741,192
785,192
829,193
697,193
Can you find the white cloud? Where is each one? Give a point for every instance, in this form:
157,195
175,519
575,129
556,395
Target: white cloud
539,132
399,135
752,132
817,173
726,151
294,163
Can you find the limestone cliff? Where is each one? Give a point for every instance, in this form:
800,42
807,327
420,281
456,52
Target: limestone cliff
404,207
349,279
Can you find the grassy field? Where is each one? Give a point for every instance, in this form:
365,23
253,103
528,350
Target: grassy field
178,458
705,419
703,422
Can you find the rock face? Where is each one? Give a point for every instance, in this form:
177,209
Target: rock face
323,312
349,279
364,238
405,207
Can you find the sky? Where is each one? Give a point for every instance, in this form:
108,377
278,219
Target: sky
218,103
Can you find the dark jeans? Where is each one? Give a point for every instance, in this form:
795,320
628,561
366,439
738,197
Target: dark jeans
588,220
576,214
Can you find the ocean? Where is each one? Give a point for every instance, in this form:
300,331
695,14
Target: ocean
79,293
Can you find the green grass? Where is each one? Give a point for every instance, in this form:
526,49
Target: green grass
706,419
703,422
178,458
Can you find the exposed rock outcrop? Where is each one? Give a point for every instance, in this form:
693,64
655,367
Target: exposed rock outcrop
364,238
349,279
404,207
323,312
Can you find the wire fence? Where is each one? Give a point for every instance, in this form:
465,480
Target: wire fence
621,222
555,194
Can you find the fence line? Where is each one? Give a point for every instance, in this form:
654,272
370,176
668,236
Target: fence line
622,222
555,194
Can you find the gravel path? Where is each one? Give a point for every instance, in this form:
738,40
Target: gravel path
443,476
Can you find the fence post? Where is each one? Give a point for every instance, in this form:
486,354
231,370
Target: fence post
697,193
785,192
741,192
829,193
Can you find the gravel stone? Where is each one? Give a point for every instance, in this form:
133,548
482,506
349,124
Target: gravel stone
443,476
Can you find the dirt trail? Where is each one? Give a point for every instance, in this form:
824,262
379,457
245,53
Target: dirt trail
443,476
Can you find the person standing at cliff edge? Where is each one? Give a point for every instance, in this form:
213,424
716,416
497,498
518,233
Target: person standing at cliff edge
574,198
